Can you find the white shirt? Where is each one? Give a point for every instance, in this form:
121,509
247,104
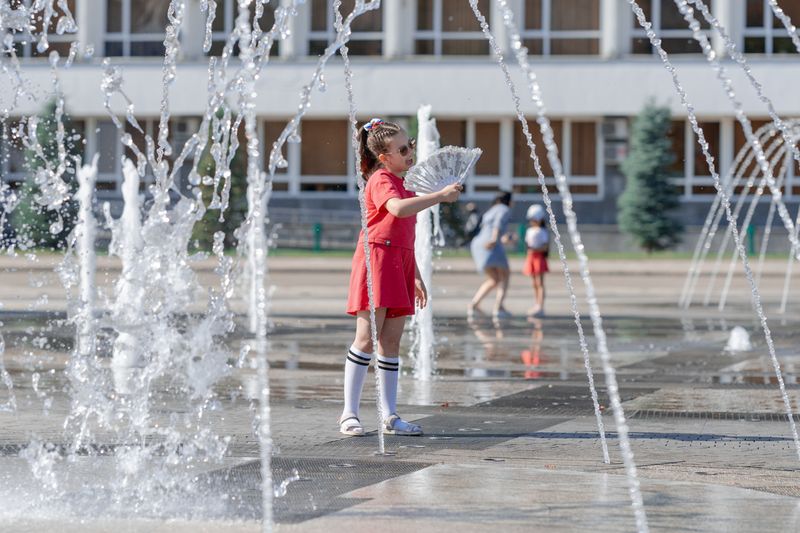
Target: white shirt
536,237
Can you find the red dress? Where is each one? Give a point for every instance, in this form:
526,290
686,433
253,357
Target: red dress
535,263
391,245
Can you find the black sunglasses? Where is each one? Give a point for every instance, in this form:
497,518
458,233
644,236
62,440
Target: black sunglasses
406,148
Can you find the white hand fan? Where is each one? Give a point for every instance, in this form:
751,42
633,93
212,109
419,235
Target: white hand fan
445,166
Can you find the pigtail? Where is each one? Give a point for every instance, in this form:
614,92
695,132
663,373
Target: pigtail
368,160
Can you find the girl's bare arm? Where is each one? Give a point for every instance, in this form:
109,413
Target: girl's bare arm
411,206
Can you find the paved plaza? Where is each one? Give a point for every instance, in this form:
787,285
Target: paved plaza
510,440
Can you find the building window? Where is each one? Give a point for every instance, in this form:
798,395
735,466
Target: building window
578,145
449,27
481,134
135,28
561,27
324,155
225,21
12,153
487,170
13,165
26,44
107,143
367,30
670,27
272,129
689,169
764,33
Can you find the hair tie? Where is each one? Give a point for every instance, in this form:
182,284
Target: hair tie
373,123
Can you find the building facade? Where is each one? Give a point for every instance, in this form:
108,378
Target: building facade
594,63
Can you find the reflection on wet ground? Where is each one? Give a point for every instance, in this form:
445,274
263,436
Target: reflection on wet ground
644,351
507,394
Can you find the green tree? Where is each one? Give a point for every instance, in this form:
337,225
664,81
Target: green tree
34,224
645,205
235,214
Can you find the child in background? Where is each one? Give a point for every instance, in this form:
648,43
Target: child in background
386,154
537,239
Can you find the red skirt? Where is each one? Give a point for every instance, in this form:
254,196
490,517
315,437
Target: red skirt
393,280
535,263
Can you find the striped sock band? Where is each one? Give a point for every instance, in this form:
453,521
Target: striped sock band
388,368
392,364
358,357
355,372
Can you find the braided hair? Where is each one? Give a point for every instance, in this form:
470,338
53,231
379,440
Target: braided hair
374,140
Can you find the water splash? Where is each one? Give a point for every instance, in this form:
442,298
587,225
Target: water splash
11,403
83,365
700,36
782,174
282,489
792,30
555,163
739,340
740,202
740,164
755,294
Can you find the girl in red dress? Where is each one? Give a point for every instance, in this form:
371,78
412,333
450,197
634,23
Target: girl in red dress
386,154
537,240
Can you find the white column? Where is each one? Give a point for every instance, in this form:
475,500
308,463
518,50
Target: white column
296,44
399,24
615,25
90,16
731,15
507,153
193,31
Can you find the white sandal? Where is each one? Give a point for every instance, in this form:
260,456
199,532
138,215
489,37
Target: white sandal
351,426
394,425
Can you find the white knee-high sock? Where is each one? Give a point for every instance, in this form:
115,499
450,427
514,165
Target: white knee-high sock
389,371
355,371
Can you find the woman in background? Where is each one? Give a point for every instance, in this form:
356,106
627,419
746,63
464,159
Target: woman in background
490,255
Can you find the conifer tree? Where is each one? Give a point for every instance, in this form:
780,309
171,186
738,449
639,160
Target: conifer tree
235,214
35,224
645,205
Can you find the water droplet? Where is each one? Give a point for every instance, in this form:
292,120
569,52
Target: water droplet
57,226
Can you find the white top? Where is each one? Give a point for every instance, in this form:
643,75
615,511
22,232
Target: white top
536,237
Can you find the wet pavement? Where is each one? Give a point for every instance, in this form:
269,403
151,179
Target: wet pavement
510,438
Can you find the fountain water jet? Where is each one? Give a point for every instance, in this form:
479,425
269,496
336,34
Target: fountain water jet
756,297
555,163
423,348
610,373
343,33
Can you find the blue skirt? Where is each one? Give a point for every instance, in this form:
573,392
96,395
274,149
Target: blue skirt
495,258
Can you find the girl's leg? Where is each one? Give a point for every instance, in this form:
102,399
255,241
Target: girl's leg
502,289
492,280
363,339
538,284
535,307
355,369
388,364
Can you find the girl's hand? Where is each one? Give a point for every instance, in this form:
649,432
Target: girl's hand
420,293
450,193
490,245
507,238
